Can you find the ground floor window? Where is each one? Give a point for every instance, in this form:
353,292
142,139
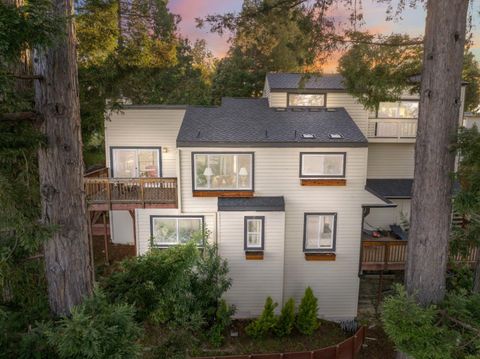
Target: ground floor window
254,233
135,162
167,231
319,232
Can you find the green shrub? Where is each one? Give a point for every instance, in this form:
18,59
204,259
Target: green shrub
96,329
286,320
223,320
307,321
265,323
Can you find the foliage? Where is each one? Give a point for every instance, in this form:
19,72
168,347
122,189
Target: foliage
459,277
375,73
223,319
471,74
307,321
265,323
286,320
96,329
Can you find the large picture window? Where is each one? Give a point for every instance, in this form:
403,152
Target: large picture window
319,232
254,233
135,162
322,164
167,231
306,100
398,109
223,171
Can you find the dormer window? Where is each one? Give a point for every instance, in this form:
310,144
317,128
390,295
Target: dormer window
306,100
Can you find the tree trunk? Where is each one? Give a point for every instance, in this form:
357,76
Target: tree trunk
434,160
67,257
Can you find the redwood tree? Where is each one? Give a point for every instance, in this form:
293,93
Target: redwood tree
67,262
438,118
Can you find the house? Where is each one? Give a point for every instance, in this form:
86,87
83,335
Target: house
285,185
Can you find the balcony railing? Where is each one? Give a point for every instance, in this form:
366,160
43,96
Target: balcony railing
124,193
392,128
391,254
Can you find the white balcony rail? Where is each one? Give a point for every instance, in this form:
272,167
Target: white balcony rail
392,128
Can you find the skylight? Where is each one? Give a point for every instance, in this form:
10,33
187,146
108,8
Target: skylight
335,136
308,136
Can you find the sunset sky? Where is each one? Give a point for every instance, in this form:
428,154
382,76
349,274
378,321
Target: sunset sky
413,22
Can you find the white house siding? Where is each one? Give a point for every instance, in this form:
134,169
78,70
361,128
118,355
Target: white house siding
383,217
121,227
253,280
143,225
391,160
277,174
156,127
334,99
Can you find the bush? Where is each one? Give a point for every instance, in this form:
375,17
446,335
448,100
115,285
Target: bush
307,321
265,323
286,320
96,329
223,319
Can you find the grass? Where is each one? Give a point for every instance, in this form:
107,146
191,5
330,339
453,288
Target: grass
327,334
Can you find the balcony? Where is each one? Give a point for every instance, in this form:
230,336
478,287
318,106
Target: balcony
391,254
392,130
104,193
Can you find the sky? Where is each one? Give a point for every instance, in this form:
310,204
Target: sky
412,22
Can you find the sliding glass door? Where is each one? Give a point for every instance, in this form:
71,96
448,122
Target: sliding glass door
135,162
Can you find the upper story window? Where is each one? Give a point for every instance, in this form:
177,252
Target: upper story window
398,109
130,162
322,164
306,100
254,233
319,232
167,231
223,171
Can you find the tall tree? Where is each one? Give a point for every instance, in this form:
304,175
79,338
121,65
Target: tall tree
67,256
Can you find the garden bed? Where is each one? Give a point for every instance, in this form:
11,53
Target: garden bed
329,333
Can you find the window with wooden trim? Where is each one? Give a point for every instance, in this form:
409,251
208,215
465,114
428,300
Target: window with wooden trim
398,109
167,231
223,171
319,232
132,162
306,100
254,233
330,165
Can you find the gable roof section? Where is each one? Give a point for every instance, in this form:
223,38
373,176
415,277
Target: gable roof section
294,81
251,204
251,122
391,188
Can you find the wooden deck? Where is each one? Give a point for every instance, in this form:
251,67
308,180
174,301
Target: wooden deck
104,193
391,254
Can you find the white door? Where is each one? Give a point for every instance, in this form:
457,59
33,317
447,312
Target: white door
135,162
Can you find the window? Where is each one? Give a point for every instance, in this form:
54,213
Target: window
322,164
254,233
135,162
319,232
306,100
223,171
399,109
167,231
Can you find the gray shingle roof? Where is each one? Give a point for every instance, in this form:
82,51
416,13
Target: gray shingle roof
251,204
290,81
391,188
251,122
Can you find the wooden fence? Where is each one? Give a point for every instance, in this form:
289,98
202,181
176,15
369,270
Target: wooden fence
348,349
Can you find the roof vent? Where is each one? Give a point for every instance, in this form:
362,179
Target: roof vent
331,110
335,136
308,136
280,109
315,109
298,109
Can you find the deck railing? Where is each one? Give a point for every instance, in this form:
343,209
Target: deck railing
391,254
392,128
137,191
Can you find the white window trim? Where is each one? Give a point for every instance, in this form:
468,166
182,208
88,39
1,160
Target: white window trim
334,233
136,149
208,154
157,244
344,164
261,232
398,105
307,106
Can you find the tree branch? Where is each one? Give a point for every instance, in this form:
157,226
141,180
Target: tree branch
27,77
